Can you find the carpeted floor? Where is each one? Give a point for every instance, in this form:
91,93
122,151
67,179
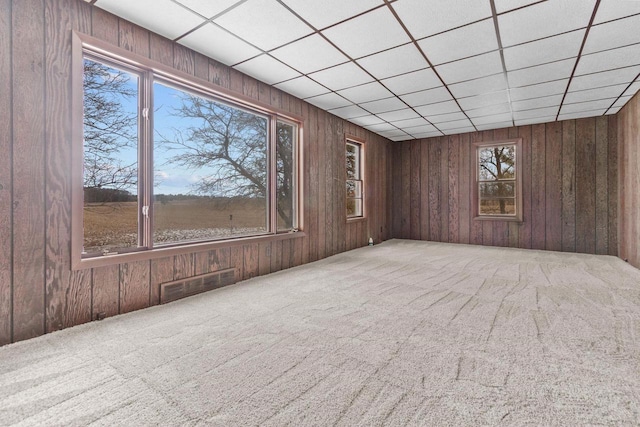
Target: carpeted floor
404,333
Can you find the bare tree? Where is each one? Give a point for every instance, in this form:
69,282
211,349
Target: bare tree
108,127
231,145
497,163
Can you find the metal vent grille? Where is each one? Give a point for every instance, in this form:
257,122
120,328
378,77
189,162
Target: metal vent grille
178,289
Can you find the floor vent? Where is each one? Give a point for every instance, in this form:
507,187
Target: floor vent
177,289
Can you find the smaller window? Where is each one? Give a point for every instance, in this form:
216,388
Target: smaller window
498,185
355,184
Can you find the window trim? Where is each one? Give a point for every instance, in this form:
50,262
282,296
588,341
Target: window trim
83,44
350,139
475,179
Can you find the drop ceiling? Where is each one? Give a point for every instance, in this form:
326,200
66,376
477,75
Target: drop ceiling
410,69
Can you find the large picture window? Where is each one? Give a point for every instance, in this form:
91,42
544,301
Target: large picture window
166,162
498,185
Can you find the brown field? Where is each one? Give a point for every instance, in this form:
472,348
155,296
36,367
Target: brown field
114,225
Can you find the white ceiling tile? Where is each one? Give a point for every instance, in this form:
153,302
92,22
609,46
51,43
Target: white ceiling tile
484,100
444,118
613,34
425,18
410,123
467,41
457,124
218,44
328,101
613,9
368,33
605,78
426,134
581,114
545,101
633,89
479,86
488,110
399,60
418,129
543,51
401,138
383,105
168,19
349,112
341,76
253,22
439,108
382,127
366,92
621,102
491,126
505,5
543,20
310,54
366,120
429,96
587,106
392,116
471,68
609,59
397,133
535,120
267,69
539,90
606,92
535,113
412,82
209,8
498,118
541,73
302,87
323,13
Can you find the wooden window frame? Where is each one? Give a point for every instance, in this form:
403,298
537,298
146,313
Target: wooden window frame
475,179
351,140
87,46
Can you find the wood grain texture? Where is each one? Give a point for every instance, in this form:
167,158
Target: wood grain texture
134,286
569,186
264,258
184,59
444,189
133,38
602,185
6,196
183,266
424,191
105,26
475,227
28,73
538,189
585,185
612,182
414,193
405,212
453,169
161,50
105,288
435,152
162,271
464,177
553,187
250,260
629,181
513,227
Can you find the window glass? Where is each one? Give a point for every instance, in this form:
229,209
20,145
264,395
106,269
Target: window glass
286,135
354,180
497,180
110,148
210,168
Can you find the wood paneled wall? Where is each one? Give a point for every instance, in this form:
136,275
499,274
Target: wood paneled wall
39,293
629,160
570,188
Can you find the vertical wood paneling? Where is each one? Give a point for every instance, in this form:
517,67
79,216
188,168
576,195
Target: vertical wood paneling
415,190
553,187
629,181
444,189
538,188
435,152
569,186
201,64
236,260
602,187
134,286
524,233
28,169
514,227
475,227
183,266
276,255
322,181
250,259
162,271
405,215
133,38
105,26
464,176
264,258
453,199
184,59
161,50
487,226
397,191
424,191
585,185
105,287
612,182
68,294
500,228
6,200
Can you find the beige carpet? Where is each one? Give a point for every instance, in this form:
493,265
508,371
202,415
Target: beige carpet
404,333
